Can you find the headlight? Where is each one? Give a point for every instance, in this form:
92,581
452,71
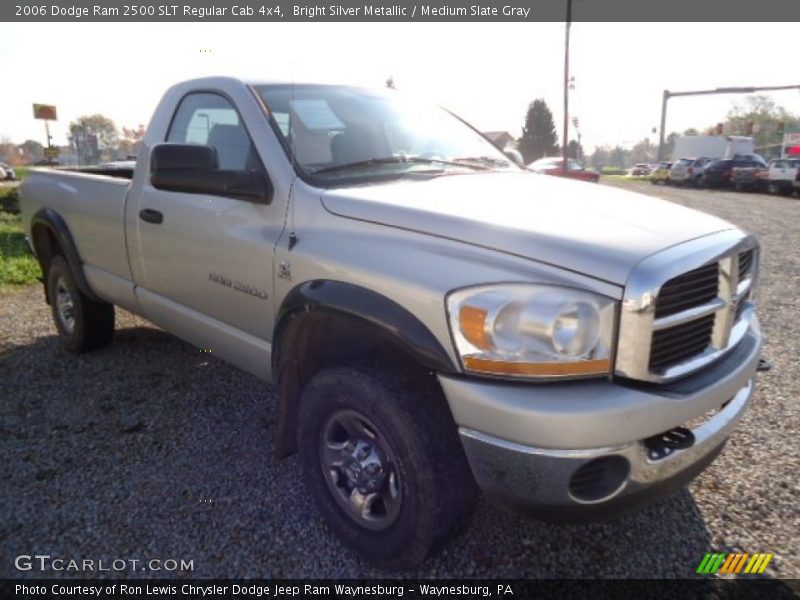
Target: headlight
528,330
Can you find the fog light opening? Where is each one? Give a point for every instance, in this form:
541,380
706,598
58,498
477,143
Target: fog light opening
599,479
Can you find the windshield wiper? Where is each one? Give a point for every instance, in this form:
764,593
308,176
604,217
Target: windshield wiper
391,160
482,160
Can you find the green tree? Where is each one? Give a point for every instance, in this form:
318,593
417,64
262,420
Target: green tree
599,158
32,151
619,157
539,133
669,145
131,139
643,152
93,136
762,118
8,151
575,150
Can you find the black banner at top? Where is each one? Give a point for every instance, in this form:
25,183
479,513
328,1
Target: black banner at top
241,11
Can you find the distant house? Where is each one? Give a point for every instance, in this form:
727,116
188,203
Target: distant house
501,139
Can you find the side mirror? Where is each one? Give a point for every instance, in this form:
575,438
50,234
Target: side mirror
194,169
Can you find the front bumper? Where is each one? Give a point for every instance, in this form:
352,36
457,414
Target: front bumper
541,448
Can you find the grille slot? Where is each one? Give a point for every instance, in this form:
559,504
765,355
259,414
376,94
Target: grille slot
689,290
677,344
746,263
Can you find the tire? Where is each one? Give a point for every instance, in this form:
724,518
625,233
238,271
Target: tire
83,324
423,493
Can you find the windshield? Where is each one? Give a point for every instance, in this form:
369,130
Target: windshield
340,134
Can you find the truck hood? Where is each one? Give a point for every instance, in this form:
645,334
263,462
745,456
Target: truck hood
597,230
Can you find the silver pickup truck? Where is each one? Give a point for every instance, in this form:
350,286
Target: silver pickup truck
434,319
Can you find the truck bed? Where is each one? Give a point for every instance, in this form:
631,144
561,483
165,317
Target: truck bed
92,203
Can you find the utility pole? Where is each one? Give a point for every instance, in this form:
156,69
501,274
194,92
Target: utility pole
722,90
565,141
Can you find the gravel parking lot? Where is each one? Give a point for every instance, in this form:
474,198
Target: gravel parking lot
151,449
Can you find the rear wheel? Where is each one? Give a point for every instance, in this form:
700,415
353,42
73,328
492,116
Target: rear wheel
83,324
382,459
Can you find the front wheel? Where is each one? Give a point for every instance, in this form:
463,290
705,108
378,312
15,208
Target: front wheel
382,460
83,324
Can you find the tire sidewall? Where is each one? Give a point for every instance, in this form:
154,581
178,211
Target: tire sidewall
408,540
60,269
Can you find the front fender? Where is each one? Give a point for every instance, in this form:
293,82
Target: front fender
356,302
299,350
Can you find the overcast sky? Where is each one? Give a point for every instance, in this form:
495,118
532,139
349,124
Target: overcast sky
486,73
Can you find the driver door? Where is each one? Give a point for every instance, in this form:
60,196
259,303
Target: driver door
206,264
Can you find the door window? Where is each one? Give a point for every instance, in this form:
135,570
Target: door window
206,118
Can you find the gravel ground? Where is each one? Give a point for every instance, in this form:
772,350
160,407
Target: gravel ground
151,449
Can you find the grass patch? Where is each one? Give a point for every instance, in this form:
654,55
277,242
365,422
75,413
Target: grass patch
9,200
17,265
20,172
624,178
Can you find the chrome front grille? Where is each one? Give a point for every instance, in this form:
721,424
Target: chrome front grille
685,307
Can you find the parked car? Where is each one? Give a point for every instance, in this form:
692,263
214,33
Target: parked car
783,172
718,172
555,166
435,319
2,172
752,178
7,172
661,173
688,171
640,170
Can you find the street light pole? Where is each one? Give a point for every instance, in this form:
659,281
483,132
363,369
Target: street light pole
661,132
565,140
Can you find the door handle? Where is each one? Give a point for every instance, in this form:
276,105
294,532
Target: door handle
151,216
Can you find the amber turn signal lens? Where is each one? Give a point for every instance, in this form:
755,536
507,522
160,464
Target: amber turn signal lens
472,323
553,369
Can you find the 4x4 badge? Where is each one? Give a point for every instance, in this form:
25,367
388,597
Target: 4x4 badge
285,270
